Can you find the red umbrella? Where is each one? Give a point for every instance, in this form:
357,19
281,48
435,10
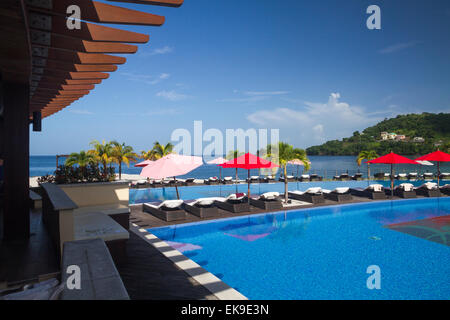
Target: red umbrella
143,163
392,158
248,161
437,156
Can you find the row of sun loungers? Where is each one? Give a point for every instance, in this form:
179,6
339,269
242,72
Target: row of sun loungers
411,176
172,210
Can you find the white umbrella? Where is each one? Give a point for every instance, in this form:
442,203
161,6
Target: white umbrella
218,161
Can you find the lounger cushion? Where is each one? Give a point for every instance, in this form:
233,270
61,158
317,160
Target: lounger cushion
199,181
204,201
407,187
429,185
314,190
254,177
236,196
141,182
171,204
270,195
305,175
341,190
375,187
290,177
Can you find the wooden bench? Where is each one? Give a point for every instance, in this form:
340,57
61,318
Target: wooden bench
99,277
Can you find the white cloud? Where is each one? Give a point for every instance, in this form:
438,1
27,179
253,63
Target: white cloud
398,47
157,51
265,93
144,78
80,111
253,96
315,122
172,95
163,112
245,99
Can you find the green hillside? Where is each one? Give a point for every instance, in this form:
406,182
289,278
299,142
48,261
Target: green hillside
433,128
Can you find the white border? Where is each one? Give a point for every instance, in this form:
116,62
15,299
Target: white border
217,287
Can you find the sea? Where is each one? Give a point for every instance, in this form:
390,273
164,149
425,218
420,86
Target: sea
325,166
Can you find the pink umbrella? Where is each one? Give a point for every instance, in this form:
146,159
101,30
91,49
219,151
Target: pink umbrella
297,163
171,165
218,161
143,163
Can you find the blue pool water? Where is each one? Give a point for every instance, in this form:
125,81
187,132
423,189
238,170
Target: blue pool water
194,192
322,253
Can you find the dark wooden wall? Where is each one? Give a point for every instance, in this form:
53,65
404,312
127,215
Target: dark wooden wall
15,136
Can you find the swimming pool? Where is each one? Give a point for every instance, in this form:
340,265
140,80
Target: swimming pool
194,192
322,253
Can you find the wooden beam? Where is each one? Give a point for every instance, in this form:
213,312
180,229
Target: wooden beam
66,87
64,93
70,75
47,39
67,66
98,12
87,31
165,3
87,81
76,57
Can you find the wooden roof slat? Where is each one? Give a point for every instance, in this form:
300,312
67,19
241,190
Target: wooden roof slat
99,12
67,87
88,31
70,67
83,81
165,3
47,39
74,93
70,75
76,57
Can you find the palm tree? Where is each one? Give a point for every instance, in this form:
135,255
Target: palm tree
233,154
82,159
148,155
162,150
287,153
102,152
122,153
366,155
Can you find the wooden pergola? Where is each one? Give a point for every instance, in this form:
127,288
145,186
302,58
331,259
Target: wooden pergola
45,66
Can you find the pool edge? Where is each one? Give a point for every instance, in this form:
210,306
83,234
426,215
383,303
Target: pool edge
217,287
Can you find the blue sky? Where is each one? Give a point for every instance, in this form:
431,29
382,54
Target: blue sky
311,69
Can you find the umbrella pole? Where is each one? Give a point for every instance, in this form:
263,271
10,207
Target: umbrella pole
392,180
438,172
176,188
248,188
